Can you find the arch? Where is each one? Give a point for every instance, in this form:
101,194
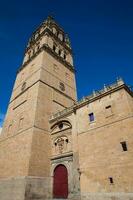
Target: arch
65,121
54,30
60,36
54,47
60,182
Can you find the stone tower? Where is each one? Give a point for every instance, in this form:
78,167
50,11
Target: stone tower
45,84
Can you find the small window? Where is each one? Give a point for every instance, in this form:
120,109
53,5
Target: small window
55,144
62,86
66,140
108,107
111,180
54,47
124,146
108,110
91,117
64,56
59,52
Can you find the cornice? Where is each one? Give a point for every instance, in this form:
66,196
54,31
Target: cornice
52,53
47,30
70,154
88,100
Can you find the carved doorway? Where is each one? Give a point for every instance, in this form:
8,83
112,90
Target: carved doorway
60,182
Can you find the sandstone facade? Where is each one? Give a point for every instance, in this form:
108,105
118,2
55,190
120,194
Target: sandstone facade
46,127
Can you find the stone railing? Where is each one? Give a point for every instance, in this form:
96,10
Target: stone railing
61,113
95,94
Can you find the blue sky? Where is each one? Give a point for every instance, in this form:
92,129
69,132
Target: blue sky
101,33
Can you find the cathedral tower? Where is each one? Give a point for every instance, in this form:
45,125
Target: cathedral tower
45,84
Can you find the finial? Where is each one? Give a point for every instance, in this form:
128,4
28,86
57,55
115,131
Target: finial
50,17
67,39
120,81
105,88
94,93
118,78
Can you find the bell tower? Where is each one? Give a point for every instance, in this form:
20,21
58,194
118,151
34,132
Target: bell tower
45,84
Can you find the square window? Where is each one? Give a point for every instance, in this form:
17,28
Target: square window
91,117
108,107
111,180
124,145
108,110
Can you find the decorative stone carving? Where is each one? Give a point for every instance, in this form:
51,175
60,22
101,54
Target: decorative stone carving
62,86
61,144
61,125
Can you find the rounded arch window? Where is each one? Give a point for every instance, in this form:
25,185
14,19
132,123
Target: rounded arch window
60,36
59,52
54,30
54,47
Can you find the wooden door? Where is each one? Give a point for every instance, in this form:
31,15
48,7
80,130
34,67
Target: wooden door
60,182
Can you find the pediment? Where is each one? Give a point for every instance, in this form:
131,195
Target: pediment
60,126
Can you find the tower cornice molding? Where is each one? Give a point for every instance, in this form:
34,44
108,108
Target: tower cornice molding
48,31
52,53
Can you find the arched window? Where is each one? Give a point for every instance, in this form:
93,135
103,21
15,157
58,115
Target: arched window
64,56
54,47
54,30
60,36
59,52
